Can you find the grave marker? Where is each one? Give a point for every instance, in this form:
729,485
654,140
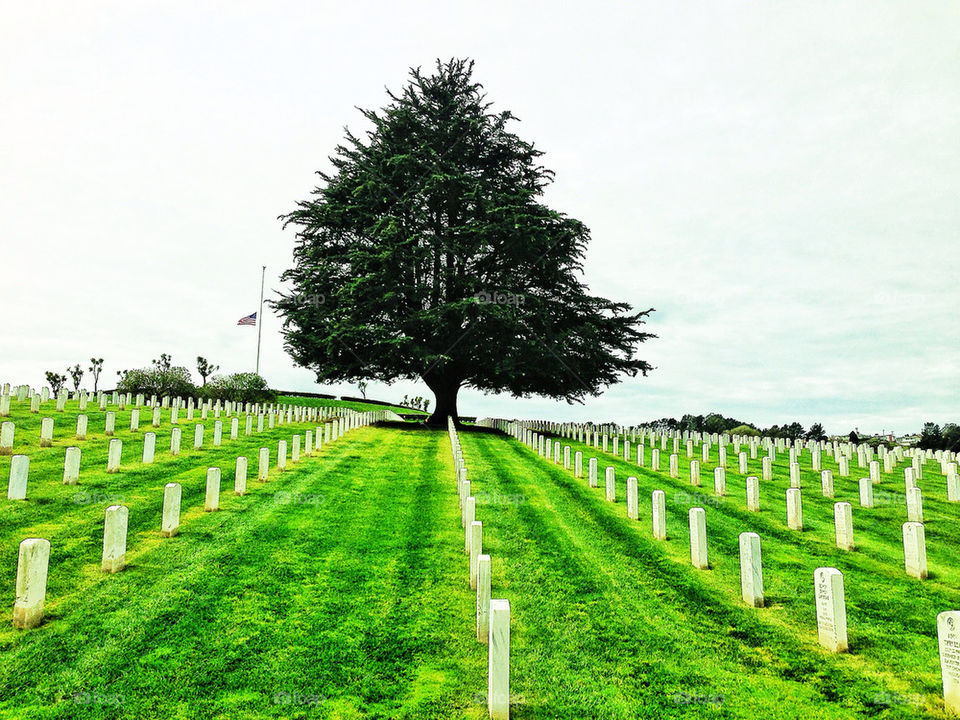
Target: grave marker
114,557
31,588
698,538
211,501
831,609
170,522
71,466
751,569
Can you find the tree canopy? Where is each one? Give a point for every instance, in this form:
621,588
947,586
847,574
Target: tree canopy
427,252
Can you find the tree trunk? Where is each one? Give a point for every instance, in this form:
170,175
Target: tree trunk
445,400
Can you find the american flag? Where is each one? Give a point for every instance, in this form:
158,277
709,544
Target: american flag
248,320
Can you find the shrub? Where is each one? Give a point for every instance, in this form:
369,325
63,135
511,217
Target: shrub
159,381
239,387
745,430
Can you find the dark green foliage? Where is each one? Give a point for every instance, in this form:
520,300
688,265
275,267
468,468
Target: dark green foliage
96,367
161,379
76,375
205,368
55,381
240,387
427,253
933,438
816,432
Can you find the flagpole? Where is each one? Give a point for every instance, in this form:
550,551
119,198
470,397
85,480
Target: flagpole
263,274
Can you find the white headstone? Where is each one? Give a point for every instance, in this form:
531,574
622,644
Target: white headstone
71,466
211,502
751,569
263,465
175,441
114,452
46,432
659,515
6,438
831,609
170,522
633,499
698,538
866,493
282,455
914,550
610,485
31,587
109,423
753,493
794,509
843,525
476,548
483,598
114,557
197,436
240,476
915,505
498,661
592,478
948,635
695,473
720,481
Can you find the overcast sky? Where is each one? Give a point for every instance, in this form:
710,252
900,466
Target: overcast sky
781,181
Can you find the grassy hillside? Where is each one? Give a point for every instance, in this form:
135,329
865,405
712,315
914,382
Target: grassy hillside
338,589
350,404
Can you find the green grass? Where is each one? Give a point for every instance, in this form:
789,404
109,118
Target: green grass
339,588
350,404
610,623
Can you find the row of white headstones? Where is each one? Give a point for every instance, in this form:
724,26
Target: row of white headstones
23,393
492,615
828,581
20,464
34,553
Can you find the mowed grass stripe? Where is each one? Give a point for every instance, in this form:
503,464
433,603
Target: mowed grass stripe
623,623
353,607
882,601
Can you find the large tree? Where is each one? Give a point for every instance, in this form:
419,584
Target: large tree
427,252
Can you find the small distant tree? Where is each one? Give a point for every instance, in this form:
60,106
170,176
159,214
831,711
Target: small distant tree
163,363
854,437
76,374
951,437
55,381
362,387
426,405
930,437
816,432
204,367
96,367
